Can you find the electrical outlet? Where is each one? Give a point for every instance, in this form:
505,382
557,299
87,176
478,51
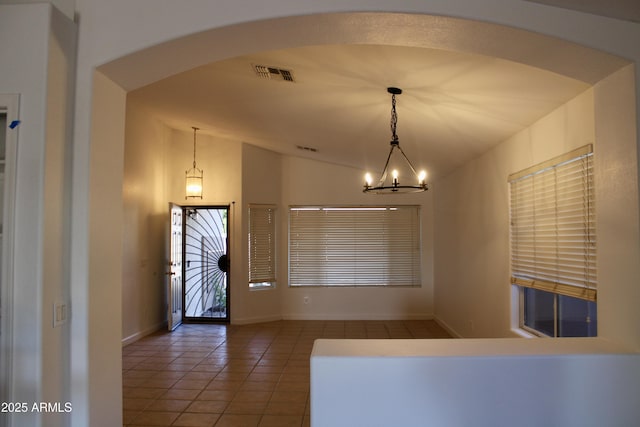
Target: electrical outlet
306,300
59,313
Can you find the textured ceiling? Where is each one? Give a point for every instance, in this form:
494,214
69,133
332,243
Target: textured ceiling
455,106
628,10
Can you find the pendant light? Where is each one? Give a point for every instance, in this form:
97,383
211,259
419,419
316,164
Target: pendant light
398,161
194,175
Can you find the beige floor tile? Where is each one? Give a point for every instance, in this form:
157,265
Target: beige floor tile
208,406
252,396
289,396
168,405
196,420
285,408
180,394
223,395
233,420
237,375
246,408
151,418
280,421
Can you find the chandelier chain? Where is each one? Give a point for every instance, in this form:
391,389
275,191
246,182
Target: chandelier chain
394,120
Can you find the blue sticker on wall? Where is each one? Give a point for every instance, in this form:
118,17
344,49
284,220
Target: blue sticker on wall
14,124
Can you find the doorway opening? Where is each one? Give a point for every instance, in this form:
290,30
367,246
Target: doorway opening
206,264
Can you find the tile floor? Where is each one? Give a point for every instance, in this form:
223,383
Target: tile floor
229,375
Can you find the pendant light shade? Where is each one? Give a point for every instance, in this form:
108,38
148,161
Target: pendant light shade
397,166
194,176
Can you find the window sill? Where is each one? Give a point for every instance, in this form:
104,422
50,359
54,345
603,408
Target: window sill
261,288
521,333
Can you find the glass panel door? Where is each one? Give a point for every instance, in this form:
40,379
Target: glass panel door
206,264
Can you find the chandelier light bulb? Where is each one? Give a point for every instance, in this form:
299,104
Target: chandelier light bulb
422,177
368,179
394,173
193,189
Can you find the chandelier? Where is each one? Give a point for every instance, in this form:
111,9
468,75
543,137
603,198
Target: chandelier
396,160
194,175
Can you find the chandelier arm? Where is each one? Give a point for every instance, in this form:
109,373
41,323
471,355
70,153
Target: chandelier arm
408,161
383,177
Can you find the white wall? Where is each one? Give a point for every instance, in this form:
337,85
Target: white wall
472,257
37,47
487,382
309,182
261,184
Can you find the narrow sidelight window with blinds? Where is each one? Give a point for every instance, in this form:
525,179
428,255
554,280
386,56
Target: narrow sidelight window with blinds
262,246
553,236
354,246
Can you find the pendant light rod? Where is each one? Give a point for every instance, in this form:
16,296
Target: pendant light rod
195,129
193,176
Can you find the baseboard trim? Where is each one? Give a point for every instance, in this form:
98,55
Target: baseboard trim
343,316
260,319
447,328
139,335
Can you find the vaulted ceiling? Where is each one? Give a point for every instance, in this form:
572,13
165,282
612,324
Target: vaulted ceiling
455,105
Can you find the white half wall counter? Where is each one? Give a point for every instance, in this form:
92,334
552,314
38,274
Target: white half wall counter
479,382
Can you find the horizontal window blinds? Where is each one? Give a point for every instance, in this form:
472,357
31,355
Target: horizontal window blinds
262,244
354,246
553,236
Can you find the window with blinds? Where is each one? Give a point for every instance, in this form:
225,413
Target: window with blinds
262,246
354,246
553,245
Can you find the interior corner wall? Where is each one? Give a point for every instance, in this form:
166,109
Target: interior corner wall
145,221
56,220
102,338
472,255
618,220
261,184
37,46
311,182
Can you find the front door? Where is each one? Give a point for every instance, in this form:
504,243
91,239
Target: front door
206,264
174,276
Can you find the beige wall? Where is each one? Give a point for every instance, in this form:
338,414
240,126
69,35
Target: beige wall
618,234
261,184
146,207
472,216
155,161
318,183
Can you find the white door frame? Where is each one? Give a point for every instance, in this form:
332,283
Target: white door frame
175,274
9,104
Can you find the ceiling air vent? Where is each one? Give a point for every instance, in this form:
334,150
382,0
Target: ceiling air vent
273,73
302,147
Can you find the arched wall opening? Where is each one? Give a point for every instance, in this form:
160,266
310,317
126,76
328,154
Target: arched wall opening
114,79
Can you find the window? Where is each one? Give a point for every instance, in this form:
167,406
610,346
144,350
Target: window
262,246
553,245
354,246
